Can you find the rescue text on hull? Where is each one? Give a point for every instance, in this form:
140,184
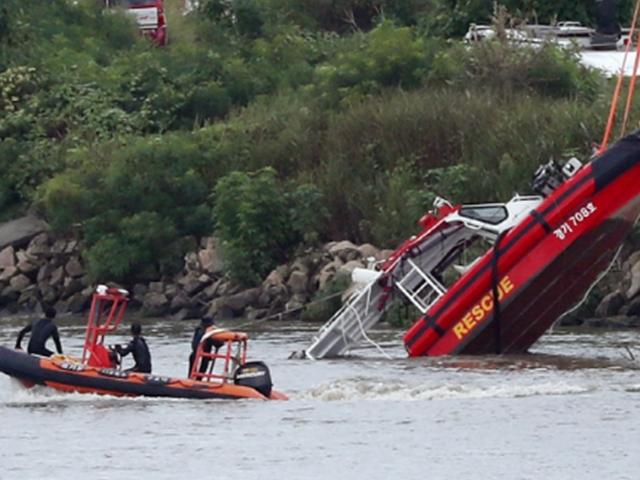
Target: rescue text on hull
538,255
224,373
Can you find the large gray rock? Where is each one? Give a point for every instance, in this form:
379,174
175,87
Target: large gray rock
156,287
155,305
242,300
71,287
298,281
39,246
349,267
8,272
610,304
19,232
27,266
74,268
77,302
19,282
368,251
45,272
191,262
634,287
57,277
210,258
345,250
7,257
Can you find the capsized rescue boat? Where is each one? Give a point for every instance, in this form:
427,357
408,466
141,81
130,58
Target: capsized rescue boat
224,373
545,251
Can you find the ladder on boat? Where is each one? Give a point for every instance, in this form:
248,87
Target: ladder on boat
348,326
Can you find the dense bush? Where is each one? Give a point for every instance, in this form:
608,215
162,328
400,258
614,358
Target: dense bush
259,221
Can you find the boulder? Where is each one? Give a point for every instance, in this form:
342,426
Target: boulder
77,302
7,257
256,314
210,259
191,262
74,267
219,310
39,246
20,231
25,266
59,247
171,290
180,301
610,304
29,299
155,305
57,277
19,282
209,293
274,278
383,255
156,287
44,272
139,290
298,281
368,251
349,267
8,296
49,294
71,247
7,273
634,288
345,250
242,300
295,306
71,286
187,314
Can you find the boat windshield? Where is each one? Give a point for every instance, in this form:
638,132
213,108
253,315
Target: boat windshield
492,214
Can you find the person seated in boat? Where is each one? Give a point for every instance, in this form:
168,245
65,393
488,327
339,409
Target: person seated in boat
41,331
137,346
206,323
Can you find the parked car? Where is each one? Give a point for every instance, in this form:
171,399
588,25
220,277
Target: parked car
148,14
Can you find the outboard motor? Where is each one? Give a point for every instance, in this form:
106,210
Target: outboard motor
550,176
255,375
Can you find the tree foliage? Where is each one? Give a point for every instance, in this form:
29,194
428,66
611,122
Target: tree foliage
295,121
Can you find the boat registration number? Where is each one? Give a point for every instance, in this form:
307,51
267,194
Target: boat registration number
568,227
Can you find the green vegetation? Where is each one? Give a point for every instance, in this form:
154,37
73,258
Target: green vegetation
275,123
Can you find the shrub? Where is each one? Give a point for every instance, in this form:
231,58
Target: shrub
252,221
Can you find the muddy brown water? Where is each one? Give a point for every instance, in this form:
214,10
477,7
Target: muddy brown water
569,410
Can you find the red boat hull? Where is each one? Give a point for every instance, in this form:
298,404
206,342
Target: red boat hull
540,268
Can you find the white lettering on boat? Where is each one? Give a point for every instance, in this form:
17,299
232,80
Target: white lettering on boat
567,228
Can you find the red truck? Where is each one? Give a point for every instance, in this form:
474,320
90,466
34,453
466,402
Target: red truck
148,14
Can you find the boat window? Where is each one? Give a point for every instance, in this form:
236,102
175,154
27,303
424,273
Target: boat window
492,214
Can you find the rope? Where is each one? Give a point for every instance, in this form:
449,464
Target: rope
616,93
280,315
366,337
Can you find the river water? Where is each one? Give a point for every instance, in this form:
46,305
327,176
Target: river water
569,410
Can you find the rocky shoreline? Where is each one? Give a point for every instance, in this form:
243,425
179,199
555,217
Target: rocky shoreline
37,267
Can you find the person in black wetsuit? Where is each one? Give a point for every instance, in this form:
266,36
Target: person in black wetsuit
137,346
200,330
41,331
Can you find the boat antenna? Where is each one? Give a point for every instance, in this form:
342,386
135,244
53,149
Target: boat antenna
616,93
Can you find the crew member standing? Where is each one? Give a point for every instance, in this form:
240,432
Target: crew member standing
41,331
200,330
137,346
